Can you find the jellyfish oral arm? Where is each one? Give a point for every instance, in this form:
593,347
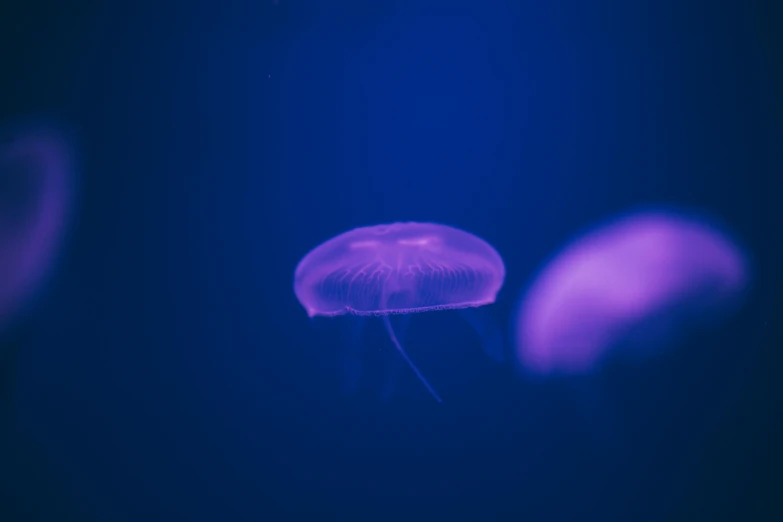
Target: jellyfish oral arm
393,337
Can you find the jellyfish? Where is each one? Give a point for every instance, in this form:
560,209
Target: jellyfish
403,268
638,281
35,178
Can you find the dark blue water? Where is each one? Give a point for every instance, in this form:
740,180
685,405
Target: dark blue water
170,373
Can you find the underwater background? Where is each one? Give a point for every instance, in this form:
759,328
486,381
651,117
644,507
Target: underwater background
167,370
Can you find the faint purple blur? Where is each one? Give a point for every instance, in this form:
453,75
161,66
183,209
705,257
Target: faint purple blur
36,171
642,278
398,268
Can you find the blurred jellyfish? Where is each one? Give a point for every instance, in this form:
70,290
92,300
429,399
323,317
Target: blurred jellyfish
403,268
35,184
638,281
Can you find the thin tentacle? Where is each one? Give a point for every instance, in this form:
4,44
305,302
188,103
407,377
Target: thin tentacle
407,359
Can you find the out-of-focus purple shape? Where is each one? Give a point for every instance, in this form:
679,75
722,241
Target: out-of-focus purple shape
401,268
398,268
36,171
642,276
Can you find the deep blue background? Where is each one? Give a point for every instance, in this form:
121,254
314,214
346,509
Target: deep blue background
170,372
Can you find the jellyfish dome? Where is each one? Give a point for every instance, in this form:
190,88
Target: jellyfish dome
35,177
403,268
635,278
398,268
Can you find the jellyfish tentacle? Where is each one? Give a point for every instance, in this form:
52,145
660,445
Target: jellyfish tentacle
488,331
393,337
389,386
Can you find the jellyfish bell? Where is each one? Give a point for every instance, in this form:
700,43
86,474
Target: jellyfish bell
35,187
401,268
398,268
637,282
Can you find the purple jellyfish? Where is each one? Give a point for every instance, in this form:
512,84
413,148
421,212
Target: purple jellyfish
637,280
35,174
402,268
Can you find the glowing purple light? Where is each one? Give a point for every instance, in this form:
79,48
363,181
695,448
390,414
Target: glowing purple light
35,179
400,268
619,279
